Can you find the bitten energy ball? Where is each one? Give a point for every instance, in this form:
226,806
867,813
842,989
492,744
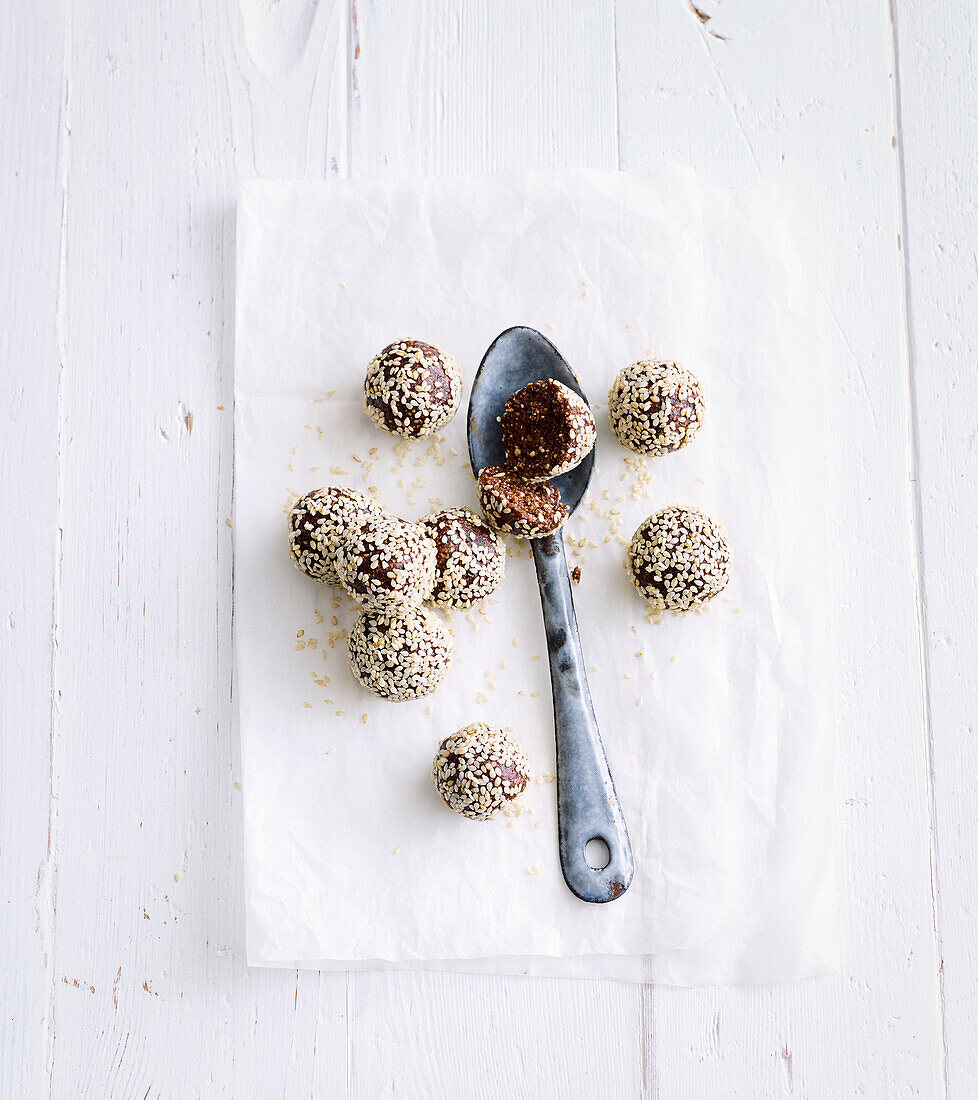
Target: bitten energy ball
400,656
384,562
526,509
478,770
679,558
656,407
470,561
412,388
547,430
317,523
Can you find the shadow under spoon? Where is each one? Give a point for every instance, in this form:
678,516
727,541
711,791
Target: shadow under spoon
587,803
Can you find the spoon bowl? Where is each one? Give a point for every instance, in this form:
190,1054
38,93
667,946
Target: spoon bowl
515,358
588,810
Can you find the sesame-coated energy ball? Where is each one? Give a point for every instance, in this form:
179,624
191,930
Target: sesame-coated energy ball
547,430
412,388
384,562
480,769
526,509
471,558
656,407
679,558
317,523
400,655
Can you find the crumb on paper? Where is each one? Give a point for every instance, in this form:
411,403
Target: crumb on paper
329,752
228,521
674,658
396,851
237,784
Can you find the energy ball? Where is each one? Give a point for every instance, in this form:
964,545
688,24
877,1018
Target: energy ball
470,561
400,655
317,523
547,430
412,388
526,509
656,407
384,562
679,558
480,769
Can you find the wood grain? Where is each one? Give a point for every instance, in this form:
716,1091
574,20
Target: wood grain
31,208
939,181
128,132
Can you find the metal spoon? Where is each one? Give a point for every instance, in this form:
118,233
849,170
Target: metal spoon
587,805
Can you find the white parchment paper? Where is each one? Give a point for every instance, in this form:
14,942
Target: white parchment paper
716,725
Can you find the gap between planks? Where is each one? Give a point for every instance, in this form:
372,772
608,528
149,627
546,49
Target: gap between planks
915,509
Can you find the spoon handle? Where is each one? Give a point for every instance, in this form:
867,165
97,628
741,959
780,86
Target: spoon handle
587,805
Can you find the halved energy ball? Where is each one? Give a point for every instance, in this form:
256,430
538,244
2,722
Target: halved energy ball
384,562
547,430
655,406
412,388
317,524
526,509
400,655
470,561
480,769
679,558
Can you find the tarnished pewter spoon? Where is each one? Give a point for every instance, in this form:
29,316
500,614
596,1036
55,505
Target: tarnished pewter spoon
587,804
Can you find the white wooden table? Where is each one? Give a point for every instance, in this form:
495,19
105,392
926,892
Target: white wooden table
125,131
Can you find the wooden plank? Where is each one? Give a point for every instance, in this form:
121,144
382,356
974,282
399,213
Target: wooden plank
446,88
936,140
31,193
787,92
151,992
484,87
